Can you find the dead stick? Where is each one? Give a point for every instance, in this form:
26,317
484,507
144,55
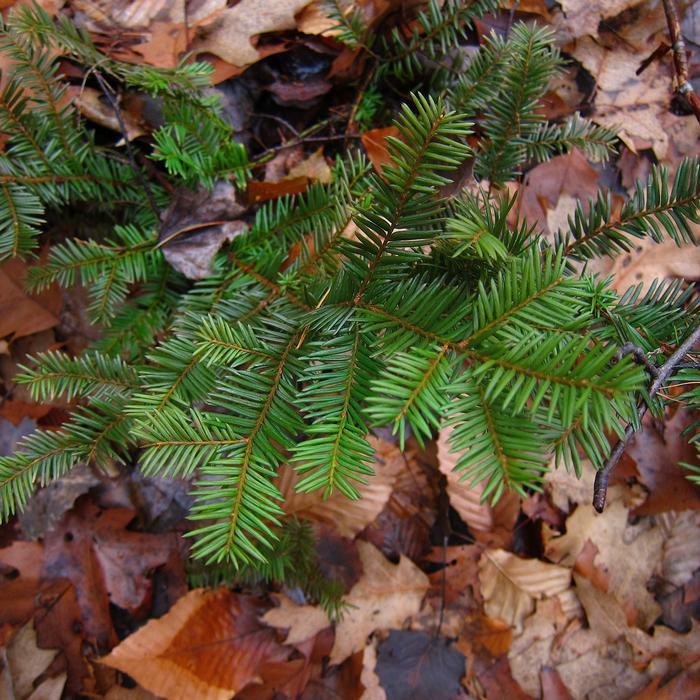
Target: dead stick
600,486
680,58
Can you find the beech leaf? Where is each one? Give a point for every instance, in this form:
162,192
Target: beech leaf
209,646
510,585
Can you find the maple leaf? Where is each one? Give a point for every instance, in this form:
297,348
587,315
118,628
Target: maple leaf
385,596
209,646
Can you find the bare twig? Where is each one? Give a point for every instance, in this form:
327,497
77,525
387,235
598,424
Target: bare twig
111,96
600,486
639,356
680,58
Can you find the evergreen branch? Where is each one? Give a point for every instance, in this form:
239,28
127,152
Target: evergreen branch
92,375
654,210
336,453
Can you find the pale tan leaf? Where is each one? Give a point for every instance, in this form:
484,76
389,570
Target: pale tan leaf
666,642
229,35
629,554
385,596
681,548
532,649
369,678
348,517
603,611
208,646
314,167
649,261
466,499
303,621
22,662
584,16
510,585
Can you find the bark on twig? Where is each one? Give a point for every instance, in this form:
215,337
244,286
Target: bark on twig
600,486
680,58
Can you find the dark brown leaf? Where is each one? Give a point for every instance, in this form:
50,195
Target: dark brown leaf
419,665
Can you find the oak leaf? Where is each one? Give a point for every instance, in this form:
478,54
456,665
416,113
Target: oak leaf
510,585
229,35
302,621
385,596
209,646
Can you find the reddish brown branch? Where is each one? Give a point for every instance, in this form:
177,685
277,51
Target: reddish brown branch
680,59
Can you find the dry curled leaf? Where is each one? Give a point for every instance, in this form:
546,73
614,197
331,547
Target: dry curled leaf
209,646
385,596
629,554
346,516
510,585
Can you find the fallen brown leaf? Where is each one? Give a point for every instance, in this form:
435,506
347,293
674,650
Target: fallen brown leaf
385,596
498,521
346,516
230,35
510,585
209,646
302,621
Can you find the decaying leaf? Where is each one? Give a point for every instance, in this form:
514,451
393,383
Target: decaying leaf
197,224
466,499
681,546
584,16
20,313
531,650
210,645
385,596
510,585
413,664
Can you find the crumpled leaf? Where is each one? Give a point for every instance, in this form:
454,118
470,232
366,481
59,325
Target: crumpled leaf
413,664
229,35
197,224
630,554
21,664
302,621
510,585
209,646
531,651
385,596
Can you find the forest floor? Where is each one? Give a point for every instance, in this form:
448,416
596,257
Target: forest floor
447,597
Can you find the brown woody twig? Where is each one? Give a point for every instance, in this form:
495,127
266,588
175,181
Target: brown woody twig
680,59
600,486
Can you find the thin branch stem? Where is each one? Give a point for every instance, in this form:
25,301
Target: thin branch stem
600,487
680,58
